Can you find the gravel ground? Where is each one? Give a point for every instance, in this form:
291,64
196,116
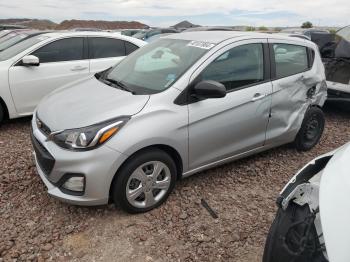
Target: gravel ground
34,226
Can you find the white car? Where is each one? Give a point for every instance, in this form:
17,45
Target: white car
312,221
35,67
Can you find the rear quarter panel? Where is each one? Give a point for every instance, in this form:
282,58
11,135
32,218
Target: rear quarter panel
289,98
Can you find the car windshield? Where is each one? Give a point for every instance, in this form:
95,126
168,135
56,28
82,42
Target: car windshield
7,37
155,67
344,33
12,41
3,33
20,47
140,35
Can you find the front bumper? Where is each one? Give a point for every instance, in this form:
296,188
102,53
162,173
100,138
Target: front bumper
338,92
98,166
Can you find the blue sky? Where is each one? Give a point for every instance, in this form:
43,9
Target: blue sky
203,12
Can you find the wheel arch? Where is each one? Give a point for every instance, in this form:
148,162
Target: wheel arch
171,151
4,106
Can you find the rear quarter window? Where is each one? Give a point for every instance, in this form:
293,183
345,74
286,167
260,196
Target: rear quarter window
129,47
290,59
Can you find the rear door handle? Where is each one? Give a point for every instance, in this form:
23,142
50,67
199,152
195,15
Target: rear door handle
258,96
78,68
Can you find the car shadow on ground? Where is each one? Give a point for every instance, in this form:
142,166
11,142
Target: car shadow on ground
17,121
342,110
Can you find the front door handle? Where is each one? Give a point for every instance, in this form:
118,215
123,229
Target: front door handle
78,68
258,96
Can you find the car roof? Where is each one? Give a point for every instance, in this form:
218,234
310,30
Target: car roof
59,34
209,28
79,33
216,37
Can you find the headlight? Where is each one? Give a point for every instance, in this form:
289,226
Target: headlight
90,137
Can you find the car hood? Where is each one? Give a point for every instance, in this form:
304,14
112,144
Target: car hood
87,102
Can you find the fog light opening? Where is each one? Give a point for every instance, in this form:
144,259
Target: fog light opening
75,184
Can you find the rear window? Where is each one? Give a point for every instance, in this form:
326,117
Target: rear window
290,59
101,47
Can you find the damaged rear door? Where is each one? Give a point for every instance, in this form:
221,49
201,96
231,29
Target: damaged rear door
295,83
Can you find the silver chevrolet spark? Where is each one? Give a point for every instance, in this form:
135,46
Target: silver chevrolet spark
180,105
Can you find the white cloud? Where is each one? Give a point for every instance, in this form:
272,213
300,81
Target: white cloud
322,12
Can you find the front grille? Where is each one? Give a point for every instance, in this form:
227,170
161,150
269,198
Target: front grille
45,160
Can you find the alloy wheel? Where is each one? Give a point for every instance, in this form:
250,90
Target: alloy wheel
148,184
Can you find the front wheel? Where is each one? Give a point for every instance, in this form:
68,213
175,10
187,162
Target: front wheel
311,129
145,181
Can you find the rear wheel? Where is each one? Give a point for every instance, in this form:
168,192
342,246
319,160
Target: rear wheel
311,129
145,181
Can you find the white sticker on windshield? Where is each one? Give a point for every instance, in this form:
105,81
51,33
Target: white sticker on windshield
199,44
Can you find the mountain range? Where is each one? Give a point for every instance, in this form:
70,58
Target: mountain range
71,24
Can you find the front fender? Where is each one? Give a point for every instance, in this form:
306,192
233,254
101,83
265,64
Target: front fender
158,126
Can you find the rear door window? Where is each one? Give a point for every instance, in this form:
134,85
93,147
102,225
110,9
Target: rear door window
102,47
290,59
67,49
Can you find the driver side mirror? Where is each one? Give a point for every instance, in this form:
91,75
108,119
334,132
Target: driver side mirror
209,89
30,60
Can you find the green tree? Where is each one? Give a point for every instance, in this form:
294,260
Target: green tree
307,24
263,28
250,28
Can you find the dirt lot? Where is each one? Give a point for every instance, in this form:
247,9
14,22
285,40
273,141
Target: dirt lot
34,226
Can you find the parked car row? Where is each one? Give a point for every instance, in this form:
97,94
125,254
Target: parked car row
121,125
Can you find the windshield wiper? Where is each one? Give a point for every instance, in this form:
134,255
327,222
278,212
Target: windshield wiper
98,75
117,84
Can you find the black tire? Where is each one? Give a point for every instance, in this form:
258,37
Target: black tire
120,182
278,241
311,129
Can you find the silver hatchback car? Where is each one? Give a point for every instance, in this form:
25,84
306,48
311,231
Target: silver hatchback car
185,103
